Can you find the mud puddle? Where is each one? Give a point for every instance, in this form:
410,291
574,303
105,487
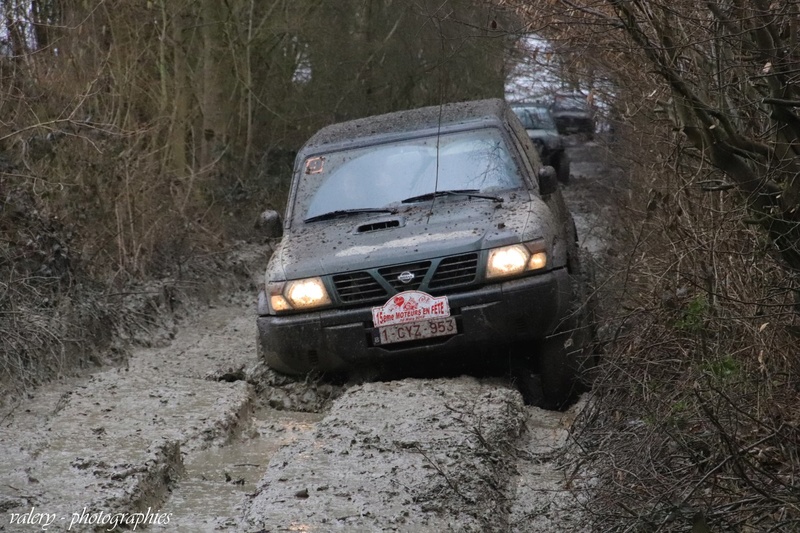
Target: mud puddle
211,493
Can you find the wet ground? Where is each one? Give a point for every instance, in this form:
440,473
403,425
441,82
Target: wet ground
198,436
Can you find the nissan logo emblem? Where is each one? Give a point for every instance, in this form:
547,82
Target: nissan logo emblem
406,276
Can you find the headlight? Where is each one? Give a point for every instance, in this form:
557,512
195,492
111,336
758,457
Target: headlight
513,260
297,294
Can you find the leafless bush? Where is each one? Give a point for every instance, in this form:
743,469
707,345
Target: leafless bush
696,420
696,424
50,315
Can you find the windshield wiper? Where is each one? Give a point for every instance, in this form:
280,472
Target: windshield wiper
348,212
470,193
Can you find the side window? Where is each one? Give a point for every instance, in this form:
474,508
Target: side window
528,155
527,147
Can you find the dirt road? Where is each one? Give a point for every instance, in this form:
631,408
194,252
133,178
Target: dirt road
197,436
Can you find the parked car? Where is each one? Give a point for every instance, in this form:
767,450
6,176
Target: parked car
573,113
433,234
543,132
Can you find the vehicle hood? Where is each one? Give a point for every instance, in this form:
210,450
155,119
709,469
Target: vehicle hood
454,226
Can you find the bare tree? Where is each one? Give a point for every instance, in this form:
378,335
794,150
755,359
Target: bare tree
727,74
700,371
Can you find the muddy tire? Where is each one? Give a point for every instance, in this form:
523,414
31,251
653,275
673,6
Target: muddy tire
565,361
559,373
550,377
561,164
526,379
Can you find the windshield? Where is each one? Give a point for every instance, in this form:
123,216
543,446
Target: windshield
535,118
570,103
386,174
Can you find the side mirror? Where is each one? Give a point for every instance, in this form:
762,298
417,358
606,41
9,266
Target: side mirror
548,184
270,224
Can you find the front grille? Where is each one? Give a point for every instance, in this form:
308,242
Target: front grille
391,275
376,285
357,287
456,270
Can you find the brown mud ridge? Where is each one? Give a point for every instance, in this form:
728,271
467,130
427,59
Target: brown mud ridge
198,436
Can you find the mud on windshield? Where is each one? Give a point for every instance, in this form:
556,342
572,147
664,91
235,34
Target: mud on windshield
383,175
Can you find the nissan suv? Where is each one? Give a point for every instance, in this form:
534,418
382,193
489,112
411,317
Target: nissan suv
434,234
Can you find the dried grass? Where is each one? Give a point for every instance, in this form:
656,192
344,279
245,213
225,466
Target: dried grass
697,419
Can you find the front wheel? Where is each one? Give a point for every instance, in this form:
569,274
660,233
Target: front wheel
550,377
559,372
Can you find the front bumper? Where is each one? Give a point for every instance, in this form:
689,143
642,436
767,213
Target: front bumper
488,318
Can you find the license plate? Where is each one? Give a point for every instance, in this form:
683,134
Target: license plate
424,329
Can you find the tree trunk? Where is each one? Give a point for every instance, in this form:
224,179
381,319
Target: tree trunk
180,94
15,30
45,15
215,71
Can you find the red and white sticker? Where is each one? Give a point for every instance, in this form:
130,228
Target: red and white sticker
410,306
315,165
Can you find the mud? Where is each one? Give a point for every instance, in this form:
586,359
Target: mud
594,181
421,455
196,430
211,493
410,455
116,441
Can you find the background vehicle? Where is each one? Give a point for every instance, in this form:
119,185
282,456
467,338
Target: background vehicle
543,132
573,113
427,235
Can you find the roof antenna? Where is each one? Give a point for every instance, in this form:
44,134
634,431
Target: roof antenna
438,24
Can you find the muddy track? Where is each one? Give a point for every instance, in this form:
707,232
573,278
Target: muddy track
198,436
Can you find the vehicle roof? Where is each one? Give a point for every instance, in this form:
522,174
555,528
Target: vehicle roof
401,123
542,105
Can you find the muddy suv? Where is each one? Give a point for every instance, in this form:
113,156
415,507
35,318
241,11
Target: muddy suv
430,235
573,113
543,132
